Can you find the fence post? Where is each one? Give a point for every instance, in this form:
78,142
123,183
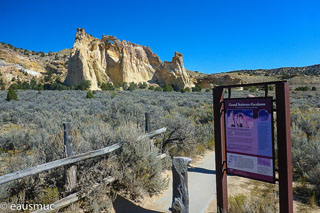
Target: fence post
147,122
180,195
70,171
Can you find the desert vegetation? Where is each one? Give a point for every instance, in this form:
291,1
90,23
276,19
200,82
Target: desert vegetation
31,133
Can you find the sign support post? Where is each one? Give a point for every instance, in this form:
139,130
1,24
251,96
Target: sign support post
220,153
284,147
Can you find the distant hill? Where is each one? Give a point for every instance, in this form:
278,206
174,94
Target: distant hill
307,70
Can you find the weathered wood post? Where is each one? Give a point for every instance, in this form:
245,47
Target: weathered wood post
147,127
180,195
70,171
147,122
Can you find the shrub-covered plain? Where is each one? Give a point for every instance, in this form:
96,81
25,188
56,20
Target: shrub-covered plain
32,133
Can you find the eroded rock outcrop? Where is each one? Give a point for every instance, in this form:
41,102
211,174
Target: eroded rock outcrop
173,73
111,60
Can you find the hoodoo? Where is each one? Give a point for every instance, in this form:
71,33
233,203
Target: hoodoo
111,60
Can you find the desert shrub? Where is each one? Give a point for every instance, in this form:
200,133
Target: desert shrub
55,86
159,89
187,89
132,86
179,135
271,88
125,86
33,84
314,88
117,85
305,88
141,167
142,85
89,94
12,95
167,88
196,89
262,198
305,128
151,88
108,86
84,85
48,77
253,89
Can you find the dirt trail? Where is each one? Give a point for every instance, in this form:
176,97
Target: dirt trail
202,186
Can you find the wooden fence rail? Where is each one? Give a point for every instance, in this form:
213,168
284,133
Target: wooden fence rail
67,161
66,201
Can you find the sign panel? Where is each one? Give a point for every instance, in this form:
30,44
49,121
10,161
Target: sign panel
249,138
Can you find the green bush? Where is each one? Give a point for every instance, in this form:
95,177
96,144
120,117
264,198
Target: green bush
196,89
151,88
25,85
33,83
302,88
89,94
314,88
12,95
125,86
168,88
159,89
187,89
108,86
117,85
142,85
253,89
86,84
305,128
271,88
133,86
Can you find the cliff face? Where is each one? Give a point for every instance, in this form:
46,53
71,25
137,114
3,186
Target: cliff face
111,60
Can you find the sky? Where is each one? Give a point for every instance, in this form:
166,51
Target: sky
213,36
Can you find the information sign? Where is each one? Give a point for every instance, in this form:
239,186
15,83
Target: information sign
249,138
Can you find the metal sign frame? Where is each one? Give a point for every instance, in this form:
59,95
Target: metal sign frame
283,142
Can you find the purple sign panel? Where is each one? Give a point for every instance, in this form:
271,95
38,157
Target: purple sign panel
249,138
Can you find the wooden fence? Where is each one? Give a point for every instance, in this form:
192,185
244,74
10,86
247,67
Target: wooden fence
70,169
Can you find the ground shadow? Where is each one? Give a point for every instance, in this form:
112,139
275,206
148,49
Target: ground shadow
122,205
201,170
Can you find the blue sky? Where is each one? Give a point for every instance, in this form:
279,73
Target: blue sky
213,36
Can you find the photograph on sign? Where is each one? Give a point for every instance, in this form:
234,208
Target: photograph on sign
249,138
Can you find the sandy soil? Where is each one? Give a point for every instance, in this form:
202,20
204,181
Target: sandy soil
239,185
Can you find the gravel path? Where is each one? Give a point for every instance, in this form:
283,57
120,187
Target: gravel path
202,186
